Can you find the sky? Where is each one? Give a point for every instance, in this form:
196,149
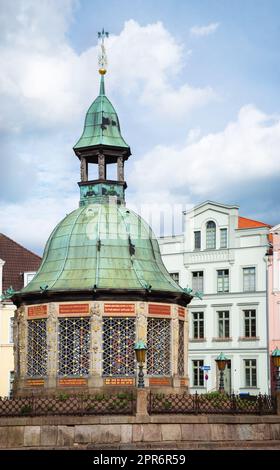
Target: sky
196,88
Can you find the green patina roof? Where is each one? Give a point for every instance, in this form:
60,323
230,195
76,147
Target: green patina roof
102,245
102,125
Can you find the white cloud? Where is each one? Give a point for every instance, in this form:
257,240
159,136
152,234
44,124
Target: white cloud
246,151
204,30
45,83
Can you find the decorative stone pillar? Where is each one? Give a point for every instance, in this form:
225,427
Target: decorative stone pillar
101,167
21,348
84,169
186,343
141,333
120,165
95,363
175,346
52,346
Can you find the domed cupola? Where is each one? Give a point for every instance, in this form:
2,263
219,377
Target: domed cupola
101,276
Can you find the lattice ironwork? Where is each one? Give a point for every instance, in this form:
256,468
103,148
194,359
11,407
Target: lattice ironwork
74,346
158,344
118,347
63,404
211,404
37,348
181,349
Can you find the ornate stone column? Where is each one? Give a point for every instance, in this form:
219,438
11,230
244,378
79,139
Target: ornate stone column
101,167
52,346
120,166
141,333
84,169
174,345
186,347
20,340
95,363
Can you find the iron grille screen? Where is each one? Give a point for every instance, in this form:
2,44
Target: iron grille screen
158,353
181,361
74,345
118,346
37,348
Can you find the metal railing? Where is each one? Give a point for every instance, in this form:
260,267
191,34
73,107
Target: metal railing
211,403
63,404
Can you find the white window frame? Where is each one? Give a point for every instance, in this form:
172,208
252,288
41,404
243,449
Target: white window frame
223,310
244,371
224,230
243,279
198,321
200,373
198,277
224,277
26,275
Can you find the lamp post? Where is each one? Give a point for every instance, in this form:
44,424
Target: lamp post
276,363
221,361
140,350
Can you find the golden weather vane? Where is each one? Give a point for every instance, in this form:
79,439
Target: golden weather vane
102,59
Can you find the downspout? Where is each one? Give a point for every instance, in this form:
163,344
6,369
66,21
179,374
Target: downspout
266,259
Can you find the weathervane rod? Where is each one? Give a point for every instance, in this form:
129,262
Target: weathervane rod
102,60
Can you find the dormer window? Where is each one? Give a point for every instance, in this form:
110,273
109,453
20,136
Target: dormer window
210,235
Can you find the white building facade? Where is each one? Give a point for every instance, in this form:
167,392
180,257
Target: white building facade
224,256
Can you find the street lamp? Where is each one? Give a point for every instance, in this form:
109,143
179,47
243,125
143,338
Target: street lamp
276,363
140,350
221,361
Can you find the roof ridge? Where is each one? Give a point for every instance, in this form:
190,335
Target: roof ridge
21,246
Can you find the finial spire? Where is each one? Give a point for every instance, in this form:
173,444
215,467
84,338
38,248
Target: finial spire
102,60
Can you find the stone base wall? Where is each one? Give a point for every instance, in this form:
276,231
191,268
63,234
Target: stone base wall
139,431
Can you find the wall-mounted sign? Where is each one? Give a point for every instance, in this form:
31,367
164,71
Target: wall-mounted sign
159,309
74,309
37,311
119,309
119,381
35,382
160,381
72,382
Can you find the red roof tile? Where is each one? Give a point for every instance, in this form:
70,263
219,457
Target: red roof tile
17,261
243,222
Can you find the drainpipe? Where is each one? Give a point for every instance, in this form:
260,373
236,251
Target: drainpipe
266,259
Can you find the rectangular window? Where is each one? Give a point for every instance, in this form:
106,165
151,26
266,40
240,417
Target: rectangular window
198,325
118,344
158,346
249,279
198,373
223,238
74,346
250,372
223,280
197,240
37,352
175,277
197,281
223,324
11,330
250,323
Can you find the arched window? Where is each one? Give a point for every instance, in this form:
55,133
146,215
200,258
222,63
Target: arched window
210,235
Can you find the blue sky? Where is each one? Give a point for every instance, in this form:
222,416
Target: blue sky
195,84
